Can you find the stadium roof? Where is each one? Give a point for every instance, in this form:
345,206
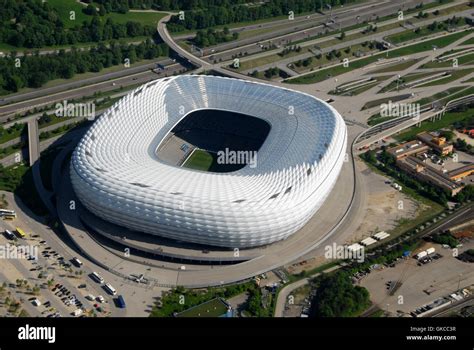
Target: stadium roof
117,174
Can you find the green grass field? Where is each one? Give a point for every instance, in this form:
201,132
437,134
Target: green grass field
468,42
145,18
199,160
64,7
211,308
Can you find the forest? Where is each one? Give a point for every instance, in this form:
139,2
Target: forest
34,24
202,14
35,70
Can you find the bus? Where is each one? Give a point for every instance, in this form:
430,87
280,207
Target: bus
110,289
121,302
7,211
9,234
20,232
98,278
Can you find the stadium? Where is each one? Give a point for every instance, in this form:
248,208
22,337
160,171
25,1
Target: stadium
210,160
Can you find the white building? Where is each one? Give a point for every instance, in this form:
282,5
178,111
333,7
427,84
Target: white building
117,175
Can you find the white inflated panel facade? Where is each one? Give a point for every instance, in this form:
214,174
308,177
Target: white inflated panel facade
117,175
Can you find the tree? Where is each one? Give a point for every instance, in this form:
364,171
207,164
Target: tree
448,134
337,297
90,10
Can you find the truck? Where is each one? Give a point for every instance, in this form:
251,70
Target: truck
121,302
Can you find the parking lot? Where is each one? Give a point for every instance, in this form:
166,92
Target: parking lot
43,273
413,283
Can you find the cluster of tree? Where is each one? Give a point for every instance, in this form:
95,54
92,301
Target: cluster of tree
289,49
466,194
120,6
13,131
448,135
370,28
34,24
386,163
336,296
91,10
373,45
202,14
305,63
333,54
35,70
445,238
422,14
212,37
254,304
60,130
453,21
272,72
463,146
384,255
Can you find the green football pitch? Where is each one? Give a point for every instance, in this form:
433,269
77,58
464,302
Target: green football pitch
199,160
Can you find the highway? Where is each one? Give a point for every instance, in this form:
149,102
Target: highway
299,21
250,46
80,88
377,36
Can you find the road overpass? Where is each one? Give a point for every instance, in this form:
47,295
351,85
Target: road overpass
396,125
33,141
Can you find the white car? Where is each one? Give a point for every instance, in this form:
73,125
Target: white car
101,299
90,297
36,302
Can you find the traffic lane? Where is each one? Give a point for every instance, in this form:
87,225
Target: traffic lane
74,84
300,20
261,46
234,48
10,110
